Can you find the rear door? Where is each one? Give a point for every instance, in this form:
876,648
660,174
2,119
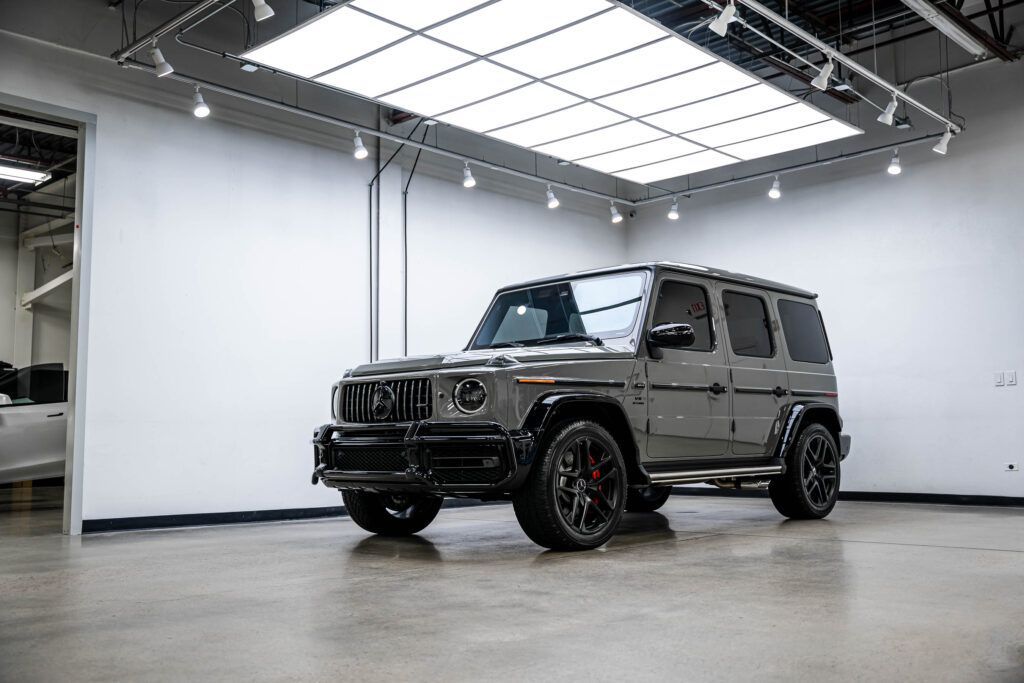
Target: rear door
808,356
759,382
688,400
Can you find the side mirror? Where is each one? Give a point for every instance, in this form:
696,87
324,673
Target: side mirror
672,335
5,400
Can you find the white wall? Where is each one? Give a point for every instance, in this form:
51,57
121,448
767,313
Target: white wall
229,286
920,278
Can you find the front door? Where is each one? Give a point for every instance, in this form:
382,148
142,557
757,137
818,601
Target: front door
760,384
688,399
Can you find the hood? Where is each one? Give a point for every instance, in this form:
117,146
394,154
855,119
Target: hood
458,359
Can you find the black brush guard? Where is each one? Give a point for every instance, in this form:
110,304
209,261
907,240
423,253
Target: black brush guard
457,459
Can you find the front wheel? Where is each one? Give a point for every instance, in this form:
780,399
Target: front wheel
810,487
391,514
576,492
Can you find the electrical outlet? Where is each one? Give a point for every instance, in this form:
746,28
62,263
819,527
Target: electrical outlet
999,379
1011,378
1012,467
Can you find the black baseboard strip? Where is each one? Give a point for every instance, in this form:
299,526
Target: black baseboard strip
872,496
90,526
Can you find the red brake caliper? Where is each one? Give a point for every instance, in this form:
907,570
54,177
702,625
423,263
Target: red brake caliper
595,476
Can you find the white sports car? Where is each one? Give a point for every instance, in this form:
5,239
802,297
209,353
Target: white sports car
33,422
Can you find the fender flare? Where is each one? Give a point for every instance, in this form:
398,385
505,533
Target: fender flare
793,420
544,412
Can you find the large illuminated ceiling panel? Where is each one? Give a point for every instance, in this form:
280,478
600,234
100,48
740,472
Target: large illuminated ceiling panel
589,81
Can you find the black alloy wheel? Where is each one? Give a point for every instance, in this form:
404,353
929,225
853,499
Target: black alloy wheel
576,492
810,487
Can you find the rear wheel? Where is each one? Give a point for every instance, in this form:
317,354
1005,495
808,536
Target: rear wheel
391,514
647,499
810,487
576,492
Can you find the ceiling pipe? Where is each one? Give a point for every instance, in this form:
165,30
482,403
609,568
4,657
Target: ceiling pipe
383,135
847,62
164,28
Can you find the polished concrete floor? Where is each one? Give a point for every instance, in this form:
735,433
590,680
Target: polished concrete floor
708,589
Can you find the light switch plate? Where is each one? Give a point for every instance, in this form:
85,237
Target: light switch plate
999,379
1011,378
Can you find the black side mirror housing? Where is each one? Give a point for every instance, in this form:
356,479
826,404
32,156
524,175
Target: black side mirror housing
672,336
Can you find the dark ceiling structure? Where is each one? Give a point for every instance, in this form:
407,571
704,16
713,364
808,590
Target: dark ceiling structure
55,154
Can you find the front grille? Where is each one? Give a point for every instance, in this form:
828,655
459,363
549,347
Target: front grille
467,464
412,401
369,458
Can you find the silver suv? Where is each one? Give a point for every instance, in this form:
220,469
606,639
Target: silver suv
583,396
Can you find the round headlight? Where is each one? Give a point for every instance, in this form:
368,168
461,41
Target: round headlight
470,396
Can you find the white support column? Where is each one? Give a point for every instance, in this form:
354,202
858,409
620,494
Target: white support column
23,316
391,292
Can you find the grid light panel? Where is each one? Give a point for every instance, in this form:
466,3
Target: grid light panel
584,80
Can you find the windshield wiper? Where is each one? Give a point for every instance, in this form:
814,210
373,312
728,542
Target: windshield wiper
570,336
505,345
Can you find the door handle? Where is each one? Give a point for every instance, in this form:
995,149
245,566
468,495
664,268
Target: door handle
717,389
55,415
779,392
640,385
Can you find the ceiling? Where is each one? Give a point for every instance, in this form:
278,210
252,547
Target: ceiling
43,151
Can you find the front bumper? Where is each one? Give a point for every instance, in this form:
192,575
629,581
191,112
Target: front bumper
464,458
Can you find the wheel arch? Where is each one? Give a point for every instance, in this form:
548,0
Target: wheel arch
805,413
555,408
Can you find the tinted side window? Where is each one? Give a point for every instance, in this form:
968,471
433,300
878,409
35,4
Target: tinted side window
46,383
679,302
747,318
804,335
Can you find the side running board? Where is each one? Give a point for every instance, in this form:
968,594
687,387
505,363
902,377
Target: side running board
692,476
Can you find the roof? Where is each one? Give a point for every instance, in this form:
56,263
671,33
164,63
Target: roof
690,269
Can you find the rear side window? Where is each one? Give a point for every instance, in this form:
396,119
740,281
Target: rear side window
747,318
805,336
679,302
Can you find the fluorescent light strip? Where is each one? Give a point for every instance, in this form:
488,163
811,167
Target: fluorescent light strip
734,105
334,38
416,14
640,155
24,175
664,58
585,80
699,84
582,43
524,103
572,121
397,66
455,89
604,140
508,22
694,163
758,125
814,134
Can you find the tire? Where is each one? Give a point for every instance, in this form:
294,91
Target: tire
576,492
391,514
810,487
647,499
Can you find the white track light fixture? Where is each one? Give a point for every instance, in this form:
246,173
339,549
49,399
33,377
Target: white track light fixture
552,199
261,10
673,211
888,115
199,107
467,177
776,191
821,80
616,216
721,23
941,145
161,65
894,165
358,148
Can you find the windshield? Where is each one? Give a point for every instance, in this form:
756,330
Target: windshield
574,310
